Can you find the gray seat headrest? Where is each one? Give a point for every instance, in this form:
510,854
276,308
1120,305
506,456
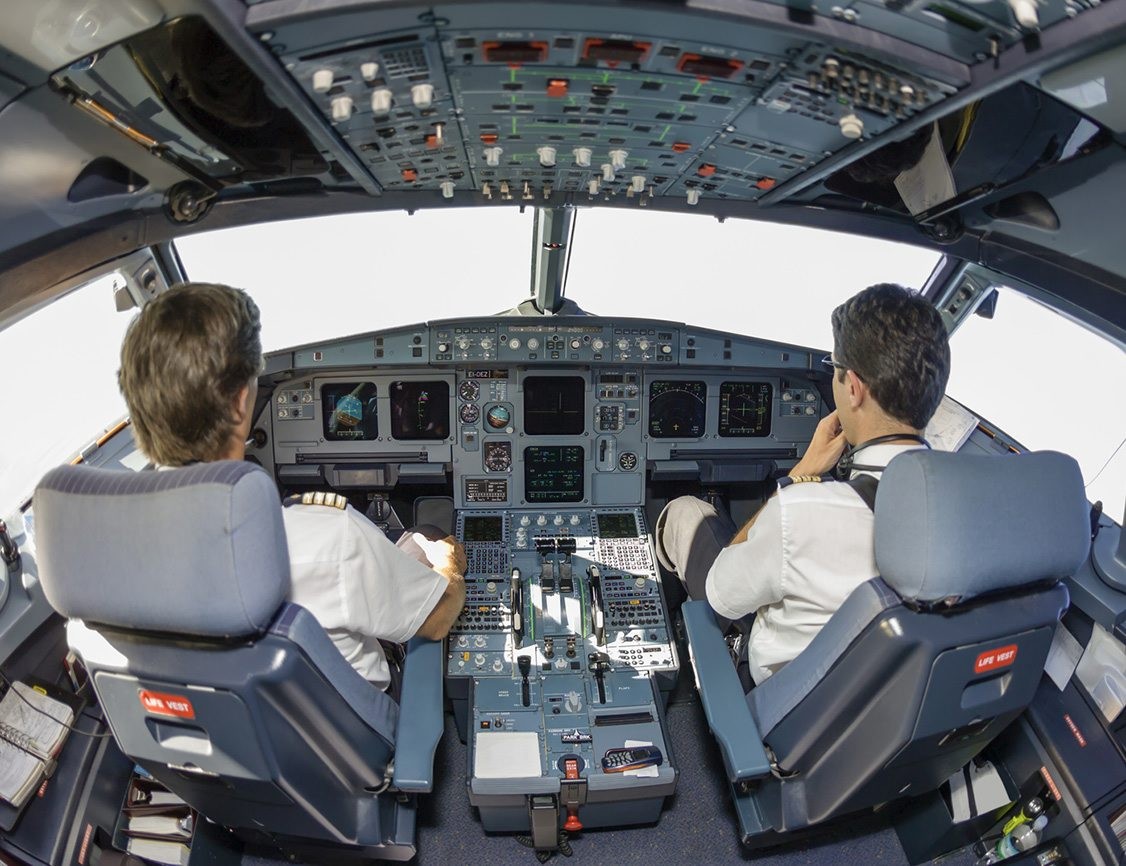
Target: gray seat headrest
199,550
953,526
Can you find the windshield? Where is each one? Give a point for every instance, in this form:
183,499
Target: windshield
330,277
61,363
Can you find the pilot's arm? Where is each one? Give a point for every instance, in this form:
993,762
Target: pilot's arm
747,575
824,451
447,557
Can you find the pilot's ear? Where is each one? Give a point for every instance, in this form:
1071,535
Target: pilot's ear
242,407
856,389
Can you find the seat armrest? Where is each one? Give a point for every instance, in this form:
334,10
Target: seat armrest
722,695
420,716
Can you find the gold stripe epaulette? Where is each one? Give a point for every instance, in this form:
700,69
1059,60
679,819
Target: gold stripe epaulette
801,479
318,497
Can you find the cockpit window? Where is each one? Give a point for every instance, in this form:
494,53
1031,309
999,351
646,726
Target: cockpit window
1051,384
324,278
61,366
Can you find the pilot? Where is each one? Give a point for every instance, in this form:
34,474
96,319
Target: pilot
189,367
797,559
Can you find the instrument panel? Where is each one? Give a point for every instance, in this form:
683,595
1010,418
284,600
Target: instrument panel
585,428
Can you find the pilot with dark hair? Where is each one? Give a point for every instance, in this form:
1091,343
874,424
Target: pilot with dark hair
189,374
796,561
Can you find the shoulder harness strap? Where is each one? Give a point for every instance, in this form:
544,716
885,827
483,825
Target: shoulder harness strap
317,497
865,487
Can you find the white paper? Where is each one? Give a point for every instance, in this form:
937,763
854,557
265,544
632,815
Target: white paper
1102,671
507,755
19,773
950,427
40,720
929,182
1063,656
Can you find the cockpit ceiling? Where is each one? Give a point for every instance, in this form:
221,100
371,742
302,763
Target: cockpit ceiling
529,102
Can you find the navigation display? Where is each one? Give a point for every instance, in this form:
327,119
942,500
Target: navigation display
677,409
745,408
420,410
554,473
554,405
617,526
482,529
349,411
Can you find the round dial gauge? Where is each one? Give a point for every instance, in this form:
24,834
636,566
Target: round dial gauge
469,413
498,456
627,460
498,417
469,390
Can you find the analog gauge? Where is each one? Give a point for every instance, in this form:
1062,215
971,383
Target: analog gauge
627,461
498,456
469,413
469,390
498,417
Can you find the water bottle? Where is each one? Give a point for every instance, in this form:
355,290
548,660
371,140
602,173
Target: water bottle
1020,838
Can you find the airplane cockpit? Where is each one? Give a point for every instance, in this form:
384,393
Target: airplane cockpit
163,700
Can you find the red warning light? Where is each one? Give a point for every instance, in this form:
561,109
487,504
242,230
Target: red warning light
680,146
410,175
765,183
557,86
706,170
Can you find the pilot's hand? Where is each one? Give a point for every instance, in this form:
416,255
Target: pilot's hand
446,555
825,448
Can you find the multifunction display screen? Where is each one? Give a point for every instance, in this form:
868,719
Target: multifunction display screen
420,410
554,473
349,411
677,410
745,408
554,405
617,526
483,529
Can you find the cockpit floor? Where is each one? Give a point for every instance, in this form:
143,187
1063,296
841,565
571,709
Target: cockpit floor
696,827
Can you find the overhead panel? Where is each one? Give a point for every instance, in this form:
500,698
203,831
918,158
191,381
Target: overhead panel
534,115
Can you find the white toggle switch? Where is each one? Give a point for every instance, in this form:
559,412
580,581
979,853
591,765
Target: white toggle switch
322,80
492,156
582,156
1026,14
341,108
637,183
693,197
607,172
547,155
447,187
381,101
557,520
618,159
422,95
541,520
592,186
369,71
575,520
525,520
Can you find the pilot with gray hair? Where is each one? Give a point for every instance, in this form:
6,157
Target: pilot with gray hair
189,374
800,556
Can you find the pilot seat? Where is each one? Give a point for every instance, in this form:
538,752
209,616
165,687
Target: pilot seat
922,666
174,583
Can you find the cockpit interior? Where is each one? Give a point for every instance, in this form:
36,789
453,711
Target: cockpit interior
162,701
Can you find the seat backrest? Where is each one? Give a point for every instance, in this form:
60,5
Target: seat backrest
922,667
174,584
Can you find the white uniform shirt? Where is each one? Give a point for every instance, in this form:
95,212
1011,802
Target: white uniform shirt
358,585
810,547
